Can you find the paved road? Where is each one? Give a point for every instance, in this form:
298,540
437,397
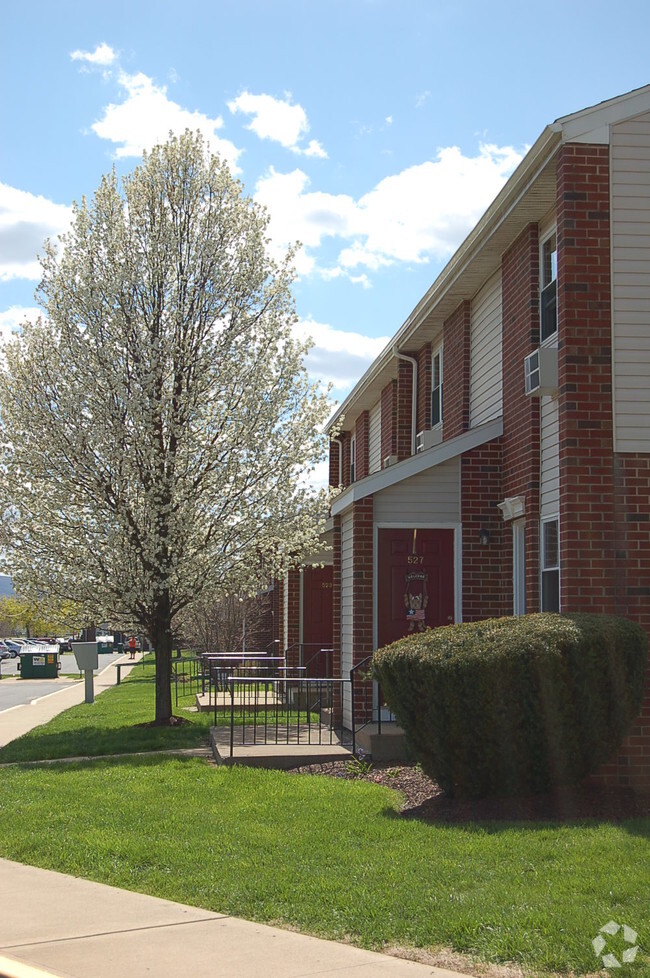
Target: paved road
19,693
15,693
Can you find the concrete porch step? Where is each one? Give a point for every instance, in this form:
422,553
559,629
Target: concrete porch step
273,756
389,745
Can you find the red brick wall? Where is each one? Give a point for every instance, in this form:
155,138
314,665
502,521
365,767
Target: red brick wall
632,532
292,584
335,450
336,610
587,548
362,620
481,490
362,432
345,442
404,408
455,373
278,616
521,413
389,420
424,387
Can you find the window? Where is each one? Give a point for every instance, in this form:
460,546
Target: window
550,566
353,457
548,296
519,567
436,388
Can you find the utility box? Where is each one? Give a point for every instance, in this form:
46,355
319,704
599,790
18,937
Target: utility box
87,659
39,665
86,655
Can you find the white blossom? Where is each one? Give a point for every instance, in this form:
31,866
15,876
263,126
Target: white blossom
156,419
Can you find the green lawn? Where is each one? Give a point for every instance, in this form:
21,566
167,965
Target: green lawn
327,856
109,725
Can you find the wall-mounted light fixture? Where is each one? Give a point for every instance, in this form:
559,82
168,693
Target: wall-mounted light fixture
484,537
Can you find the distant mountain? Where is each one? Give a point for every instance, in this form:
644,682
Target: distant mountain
5,586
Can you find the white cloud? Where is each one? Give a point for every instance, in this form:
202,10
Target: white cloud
338,357
103,55
11,319
415,216
25,221
277,120
300,215
146,115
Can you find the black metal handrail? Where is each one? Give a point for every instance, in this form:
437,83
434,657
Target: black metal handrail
286,709
217,666
322,655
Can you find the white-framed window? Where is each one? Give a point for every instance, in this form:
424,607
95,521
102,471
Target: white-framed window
436,387
519,567
550,540
353,457
548,287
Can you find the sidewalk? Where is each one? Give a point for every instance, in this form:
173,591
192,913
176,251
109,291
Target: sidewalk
18,720
78,929
58,925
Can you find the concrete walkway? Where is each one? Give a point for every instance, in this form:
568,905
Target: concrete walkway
58,925
18,720
78,929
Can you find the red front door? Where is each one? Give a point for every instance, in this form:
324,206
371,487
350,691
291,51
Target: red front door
317,625
415,588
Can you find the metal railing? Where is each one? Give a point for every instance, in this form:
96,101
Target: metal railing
217,668
187,675
285,709
317,660
365,697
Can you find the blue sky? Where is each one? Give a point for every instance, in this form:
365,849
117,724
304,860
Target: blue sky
375,131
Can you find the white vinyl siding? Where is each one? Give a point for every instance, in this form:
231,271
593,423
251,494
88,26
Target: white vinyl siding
485,392
431,497
347,606
630,210
374,439
549,459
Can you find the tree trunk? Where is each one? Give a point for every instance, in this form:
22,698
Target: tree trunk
161,638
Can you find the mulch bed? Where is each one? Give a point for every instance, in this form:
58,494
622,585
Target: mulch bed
424,800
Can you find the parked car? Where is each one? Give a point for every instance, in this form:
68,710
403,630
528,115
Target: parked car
65,645
4,651
14,647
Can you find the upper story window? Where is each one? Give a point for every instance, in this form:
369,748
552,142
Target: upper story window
436,387
353,457
548,284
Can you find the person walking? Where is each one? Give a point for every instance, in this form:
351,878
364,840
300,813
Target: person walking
132,646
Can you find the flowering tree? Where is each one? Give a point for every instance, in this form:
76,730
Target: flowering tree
157,420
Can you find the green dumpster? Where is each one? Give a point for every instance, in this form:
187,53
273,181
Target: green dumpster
37,664
104,646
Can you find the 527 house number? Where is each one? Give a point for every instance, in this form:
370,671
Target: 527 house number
414,559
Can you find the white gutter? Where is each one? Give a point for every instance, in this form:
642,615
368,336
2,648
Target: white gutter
414,394
501,208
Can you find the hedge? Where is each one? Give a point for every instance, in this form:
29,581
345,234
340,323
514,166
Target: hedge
515,705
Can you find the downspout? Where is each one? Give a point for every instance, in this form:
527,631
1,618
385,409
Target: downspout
414,394
340,444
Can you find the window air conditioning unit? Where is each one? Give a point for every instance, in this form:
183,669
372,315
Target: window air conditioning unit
389,460
540,371
427,439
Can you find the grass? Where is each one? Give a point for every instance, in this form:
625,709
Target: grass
327,856
109,725
332,857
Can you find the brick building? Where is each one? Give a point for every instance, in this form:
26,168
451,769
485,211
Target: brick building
495,457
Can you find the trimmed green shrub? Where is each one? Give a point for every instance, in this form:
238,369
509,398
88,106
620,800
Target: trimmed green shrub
515,705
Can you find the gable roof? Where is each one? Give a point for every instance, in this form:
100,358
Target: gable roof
526,197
